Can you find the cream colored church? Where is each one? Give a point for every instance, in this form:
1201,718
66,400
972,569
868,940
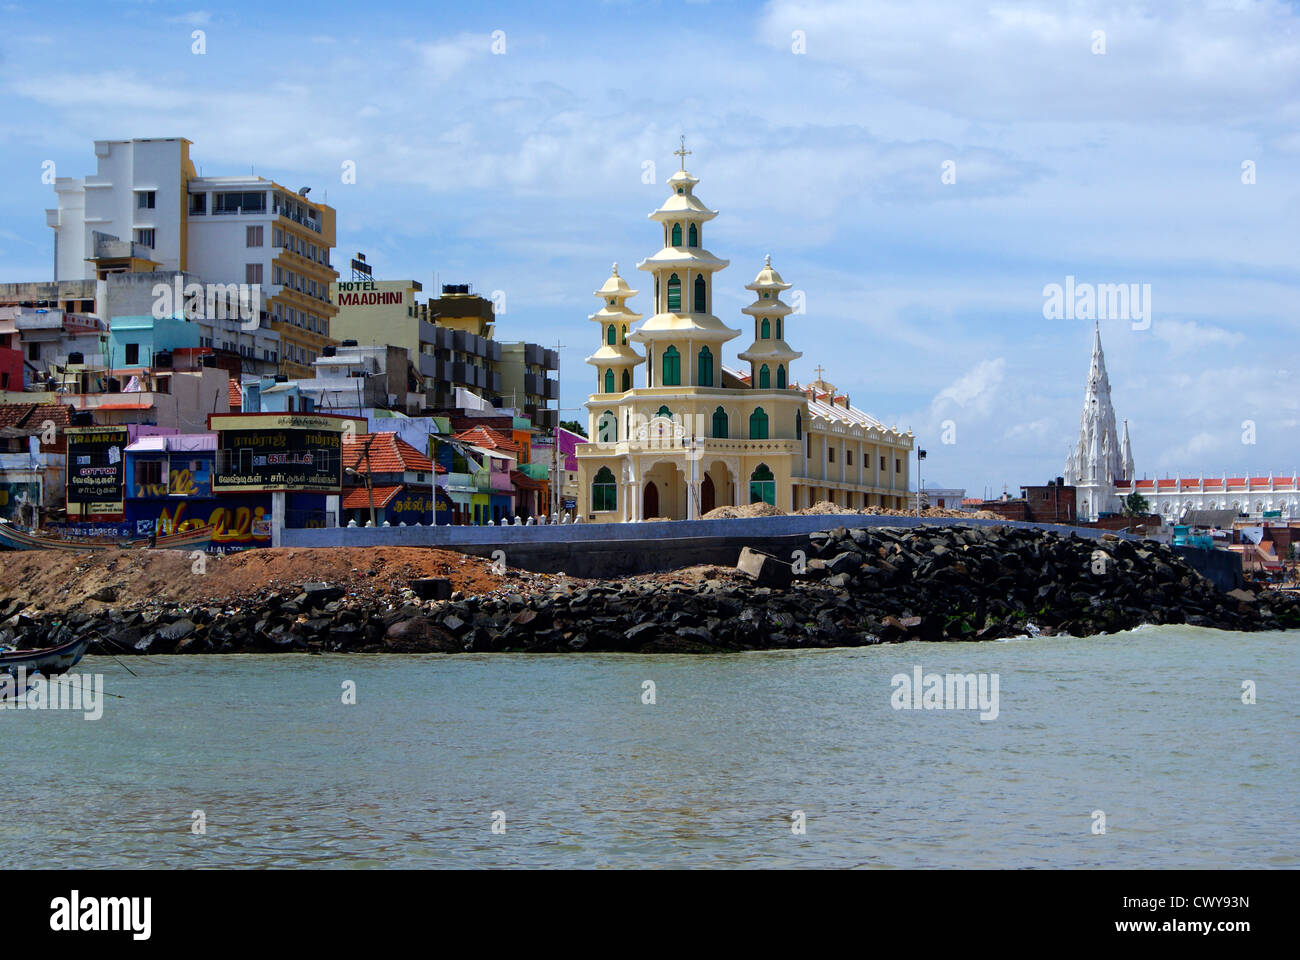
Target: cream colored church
696,434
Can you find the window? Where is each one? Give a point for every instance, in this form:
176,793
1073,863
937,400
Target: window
704,368
198,204
699,305
693,236
780,376
253,272
277,237
148,472
604,491
674,294
882,463
764,378
848,457
33,351
253,236
765,330
132,354
240,203
720,423
898,465
758,424
830,454
798,425
672,368
145,237
677,235
665,412
627,380
609,381
778,328
762,485
607,427
611,335
144,199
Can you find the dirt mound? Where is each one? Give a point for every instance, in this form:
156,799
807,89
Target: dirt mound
823,507
745,512
55,580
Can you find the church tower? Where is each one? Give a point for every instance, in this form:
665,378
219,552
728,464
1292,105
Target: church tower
683,339
616,359
769,355
1099,459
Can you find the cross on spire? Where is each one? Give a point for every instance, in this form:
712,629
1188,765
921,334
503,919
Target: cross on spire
819,371
682,152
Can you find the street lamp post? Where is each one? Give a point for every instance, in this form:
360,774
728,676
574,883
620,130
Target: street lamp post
920,455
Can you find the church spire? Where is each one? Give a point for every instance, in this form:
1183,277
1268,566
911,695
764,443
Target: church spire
615,359
769,356
1099,456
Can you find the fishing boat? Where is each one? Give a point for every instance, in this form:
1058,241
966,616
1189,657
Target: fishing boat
14,539
48,660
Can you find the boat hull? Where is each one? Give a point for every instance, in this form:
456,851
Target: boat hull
49,661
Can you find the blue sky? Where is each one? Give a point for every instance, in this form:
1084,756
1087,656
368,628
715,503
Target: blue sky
522,171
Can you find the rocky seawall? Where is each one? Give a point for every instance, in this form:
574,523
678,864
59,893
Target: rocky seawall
847,588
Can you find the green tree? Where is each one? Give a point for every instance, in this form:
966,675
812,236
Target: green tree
1135,505
573,426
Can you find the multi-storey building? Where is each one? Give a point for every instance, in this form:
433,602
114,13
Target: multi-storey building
146,209
699,435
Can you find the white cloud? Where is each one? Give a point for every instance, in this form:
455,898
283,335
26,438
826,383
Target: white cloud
974,392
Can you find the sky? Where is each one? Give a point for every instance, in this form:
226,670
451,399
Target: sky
921,171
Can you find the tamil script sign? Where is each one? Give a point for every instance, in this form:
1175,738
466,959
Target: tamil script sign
279,452
96,476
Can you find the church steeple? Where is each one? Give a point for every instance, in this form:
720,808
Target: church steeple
1099,457
683,338
615,360
769,356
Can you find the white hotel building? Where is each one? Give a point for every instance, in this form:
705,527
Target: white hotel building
147,210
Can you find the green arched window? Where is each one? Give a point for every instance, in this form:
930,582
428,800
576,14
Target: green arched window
664,412
778,328
672,368
699,306
604,491
693,236
674,294
704,368
780,376
677,235
764,378
720,423
798,425
758,424
609,381
607,427
627,380
762,485
611,335
765,329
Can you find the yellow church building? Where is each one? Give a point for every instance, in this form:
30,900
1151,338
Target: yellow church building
698,434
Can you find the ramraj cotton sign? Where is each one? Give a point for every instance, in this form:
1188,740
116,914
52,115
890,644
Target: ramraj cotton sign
363,293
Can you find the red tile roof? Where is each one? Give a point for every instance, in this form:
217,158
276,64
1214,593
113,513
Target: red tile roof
236,398
388,454
488,438
358,498
521,479
34,415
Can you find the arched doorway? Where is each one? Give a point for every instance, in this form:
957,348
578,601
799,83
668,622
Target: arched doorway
707,497
650,502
